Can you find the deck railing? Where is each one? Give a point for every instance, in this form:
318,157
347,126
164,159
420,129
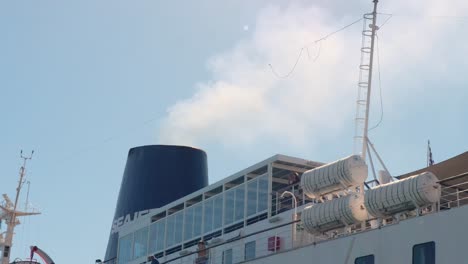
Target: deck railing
454,191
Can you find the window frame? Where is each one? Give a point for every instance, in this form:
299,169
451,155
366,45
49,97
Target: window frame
129,249
371,256
432,248
225,256
247,246
144,243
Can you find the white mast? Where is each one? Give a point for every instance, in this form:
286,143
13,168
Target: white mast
9,214
365,82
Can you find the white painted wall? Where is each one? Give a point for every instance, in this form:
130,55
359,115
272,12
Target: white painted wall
392,244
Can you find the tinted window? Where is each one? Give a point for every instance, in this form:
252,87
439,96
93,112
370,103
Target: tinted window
227,256
252,197
208,223
369,259
156,236
153,237
140,242
170,230
218,211
197,219
160,239
125,249
179,221
424,253
229,207
188,223
240,198
250,250
262,194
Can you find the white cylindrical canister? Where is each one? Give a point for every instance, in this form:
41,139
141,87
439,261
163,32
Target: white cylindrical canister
334,177
403,195
335,213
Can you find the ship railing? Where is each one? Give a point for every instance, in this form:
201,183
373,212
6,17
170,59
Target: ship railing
454,191
281,202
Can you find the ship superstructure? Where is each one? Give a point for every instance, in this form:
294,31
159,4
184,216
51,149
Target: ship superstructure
219,212
244,218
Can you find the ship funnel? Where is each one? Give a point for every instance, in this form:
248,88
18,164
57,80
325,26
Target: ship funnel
155,176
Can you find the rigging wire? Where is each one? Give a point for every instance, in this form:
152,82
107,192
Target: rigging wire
306,48
425,16
291,70
380,87
386,20
334,32
318,52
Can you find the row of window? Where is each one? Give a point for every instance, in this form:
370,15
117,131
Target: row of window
238,203
422,254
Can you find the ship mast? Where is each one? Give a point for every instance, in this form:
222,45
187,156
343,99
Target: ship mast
365,82
10,214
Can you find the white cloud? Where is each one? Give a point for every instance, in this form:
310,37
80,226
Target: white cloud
244,102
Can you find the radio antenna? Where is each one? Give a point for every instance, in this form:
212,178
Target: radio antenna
9,212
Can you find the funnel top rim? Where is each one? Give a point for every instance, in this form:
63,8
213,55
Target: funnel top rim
164,146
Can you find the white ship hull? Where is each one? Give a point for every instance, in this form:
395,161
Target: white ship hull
390,244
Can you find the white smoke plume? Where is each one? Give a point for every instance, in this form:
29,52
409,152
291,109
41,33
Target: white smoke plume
245,102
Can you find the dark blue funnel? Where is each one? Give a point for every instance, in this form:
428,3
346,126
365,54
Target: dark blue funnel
155,176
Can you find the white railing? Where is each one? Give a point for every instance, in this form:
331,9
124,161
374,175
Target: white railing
454,191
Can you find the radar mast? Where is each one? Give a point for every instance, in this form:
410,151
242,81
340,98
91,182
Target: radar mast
9,214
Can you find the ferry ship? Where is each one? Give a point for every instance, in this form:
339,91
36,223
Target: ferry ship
288,209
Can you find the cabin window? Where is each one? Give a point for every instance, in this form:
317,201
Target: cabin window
208,220
156,236
170,230
252,197
234,204
161,227
257,195
125,249
179,221
197,219
174,229
240,198
250,250
153,237
262,193
218,212
188,234
140,244
229,206
369,259
227,256
424,253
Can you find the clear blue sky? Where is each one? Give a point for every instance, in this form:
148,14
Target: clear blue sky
81,82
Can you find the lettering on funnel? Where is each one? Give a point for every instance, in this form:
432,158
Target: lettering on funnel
123,220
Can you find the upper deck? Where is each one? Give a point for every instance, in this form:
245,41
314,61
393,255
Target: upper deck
231,215
240,200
